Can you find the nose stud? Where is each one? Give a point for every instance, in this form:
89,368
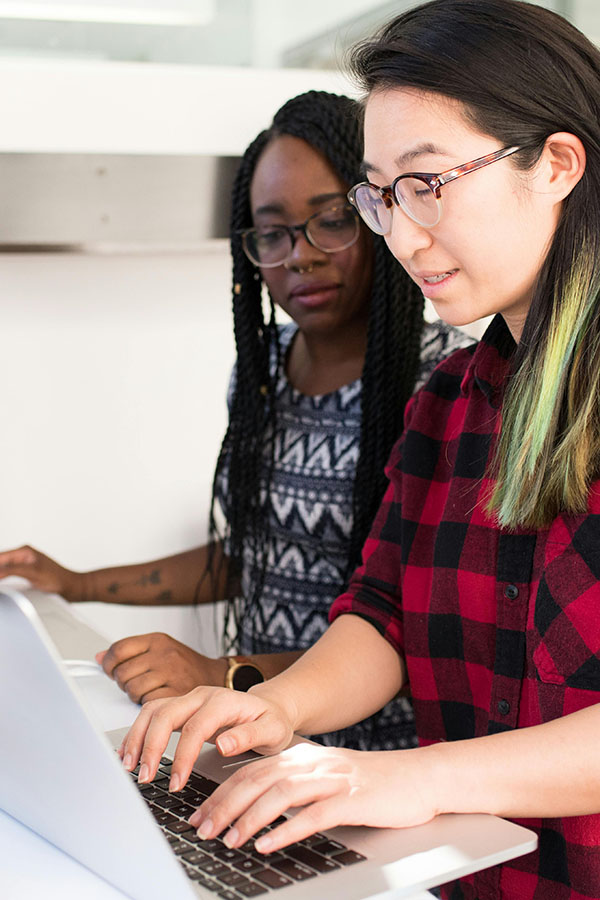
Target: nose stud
299,269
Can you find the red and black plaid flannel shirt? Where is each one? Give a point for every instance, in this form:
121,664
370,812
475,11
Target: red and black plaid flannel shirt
499,630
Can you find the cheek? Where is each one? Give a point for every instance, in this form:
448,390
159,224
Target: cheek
275,280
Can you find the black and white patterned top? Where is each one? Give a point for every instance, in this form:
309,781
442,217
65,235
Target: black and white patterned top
316,451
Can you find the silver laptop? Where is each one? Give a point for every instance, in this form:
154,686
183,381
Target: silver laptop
62,779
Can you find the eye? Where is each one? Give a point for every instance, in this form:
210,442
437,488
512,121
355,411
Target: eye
335,220
269,235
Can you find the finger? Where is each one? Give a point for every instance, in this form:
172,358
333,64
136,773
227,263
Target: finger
100,656
139,687
158,694
318,816
122,650
284,793
266,734
170,715
22,556
221,709
133,668
134,739
233,797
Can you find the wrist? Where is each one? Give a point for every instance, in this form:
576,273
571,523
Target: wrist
218,671
76,586
282,699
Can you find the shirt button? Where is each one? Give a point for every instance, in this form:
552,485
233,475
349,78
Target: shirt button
503,707
511,591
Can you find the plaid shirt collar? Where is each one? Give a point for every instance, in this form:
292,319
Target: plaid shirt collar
490,365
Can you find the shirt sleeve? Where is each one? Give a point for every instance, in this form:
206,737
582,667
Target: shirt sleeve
374,591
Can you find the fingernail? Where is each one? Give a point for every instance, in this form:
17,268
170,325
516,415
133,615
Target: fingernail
205,830
174,782
231,838
264,843
144,773
127,762
226,743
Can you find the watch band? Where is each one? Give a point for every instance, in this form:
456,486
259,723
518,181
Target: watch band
242,673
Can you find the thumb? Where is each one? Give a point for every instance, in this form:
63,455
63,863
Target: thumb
265,735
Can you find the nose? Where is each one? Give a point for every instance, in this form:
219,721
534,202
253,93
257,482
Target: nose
304,253
406,237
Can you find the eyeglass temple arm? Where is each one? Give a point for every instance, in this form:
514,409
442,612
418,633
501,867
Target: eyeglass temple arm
452,174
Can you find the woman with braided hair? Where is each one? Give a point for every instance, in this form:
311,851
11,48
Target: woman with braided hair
315,407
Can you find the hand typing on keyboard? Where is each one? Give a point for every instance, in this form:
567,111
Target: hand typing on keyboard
335,786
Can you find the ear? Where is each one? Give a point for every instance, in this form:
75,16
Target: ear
562,164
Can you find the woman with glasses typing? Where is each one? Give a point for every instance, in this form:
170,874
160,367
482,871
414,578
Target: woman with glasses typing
480,580
315,407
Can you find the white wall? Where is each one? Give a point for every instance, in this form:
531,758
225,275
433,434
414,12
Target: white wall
113,375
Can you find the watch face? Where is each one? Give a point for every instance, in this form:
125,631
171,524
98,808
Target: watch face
245,676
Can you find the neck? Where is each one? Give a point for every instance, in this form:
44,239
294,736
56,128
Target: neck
321,363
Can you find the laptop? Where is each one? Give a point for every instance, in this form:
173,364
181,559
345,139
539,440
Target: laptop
62,778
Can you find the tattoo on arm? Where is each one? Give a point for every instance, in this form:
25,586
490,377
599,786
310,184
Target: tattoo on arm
152,578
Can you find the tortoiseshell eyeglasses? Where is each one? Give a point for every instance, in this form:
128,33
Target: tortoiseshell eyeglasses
418,194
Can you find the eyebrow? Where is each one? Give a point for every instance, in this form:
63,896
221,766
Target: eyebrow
277,209
404,159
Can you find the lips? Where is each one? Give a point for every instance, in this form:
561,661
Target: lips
314,294
311,288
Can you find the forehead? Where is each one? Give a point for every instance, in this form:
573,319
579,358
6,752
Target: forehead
291,171
414,124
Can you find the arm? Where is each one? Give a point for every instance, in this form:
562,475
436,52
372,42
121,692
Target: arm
149,666
351,672
172,580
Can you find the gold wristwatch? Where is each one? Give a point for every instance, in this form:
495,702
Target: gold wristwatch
242,673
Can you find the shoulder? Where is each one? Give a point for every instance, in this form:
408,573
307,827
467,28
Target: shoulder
438,342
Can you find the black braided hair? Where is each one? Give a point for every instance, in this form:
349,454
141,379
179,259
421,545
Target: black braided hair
330,124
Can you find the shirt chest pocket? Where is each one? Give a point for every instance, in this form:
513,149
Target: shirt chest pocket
565,632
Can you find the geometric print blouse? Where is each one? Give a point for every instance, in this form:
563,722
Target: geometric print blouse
315,455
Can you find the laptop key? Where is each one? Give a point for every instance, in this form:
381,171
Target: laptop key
294,869
251,890
227,855
181,848
167,801
212,866
248,865
348,857
179,827
228,895
200,783
195,856
163,817
312,839
211,845
272,878
232,879
183,810
149,792
328,847
309,858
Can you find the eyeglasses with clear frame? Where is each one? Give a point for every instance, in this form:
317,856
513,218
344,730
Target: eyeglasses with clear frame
418,194
330,230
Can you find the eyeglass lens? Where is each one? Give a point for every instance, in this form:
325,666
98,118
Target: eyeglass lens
414,196
330,231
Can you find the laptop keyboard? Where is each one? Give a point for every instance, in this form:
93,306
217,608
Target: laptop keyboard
244,872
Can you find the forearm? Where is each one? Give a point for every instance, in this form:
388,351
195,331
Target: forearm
180,579
545,771
350,673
